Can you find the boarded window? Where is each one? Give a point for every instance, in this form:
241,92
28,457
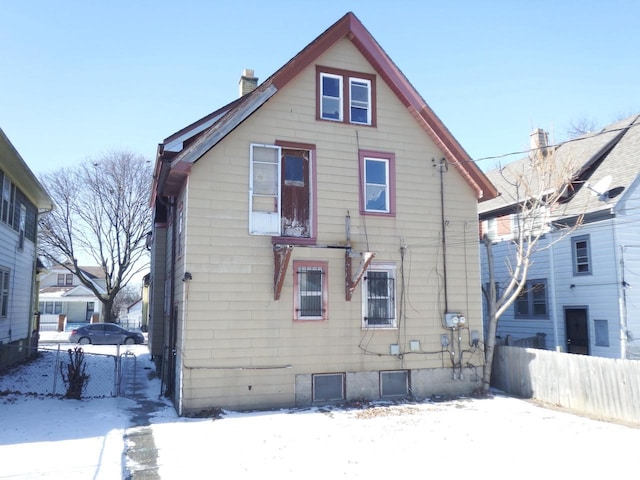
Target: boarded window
328,387
601,328
394,383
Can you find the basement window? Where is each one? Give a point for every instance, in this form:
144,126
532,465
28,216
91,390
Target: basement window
394,383
328,387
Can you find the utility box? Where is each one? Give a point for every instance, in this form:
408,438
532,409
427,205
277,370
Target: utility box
454,320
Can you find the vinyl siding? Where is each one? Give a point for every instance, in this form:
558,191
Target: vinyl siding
627,226
19,320
598,292
240,347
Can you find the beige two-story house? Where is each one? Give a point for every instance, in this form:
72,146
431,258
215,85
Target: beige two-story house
314,240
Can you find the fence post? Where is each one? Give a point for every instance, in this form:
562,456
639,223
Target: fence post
55,369
116,386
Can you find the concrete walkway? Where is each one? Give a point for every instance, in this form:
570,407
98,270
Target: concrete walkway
140,452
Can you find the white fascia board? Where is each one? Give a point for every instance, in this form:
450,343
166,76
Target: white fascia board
211,138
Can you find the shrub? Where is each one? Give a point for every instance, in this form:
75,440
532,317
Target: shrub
75,378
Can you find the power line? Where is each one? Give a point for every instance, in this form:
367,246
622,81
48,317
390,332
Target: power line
557,145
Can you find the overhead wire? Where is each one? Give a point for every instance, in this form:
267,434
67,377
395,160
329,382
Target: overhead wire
604,131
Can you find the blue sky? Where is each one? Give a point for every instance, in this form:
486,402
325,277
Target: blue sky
80,78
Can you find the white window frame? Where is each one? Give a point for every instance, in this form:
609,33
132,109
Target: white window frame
357,103
300,267
386,185
339,98
5,279
585,259
390,270
262,222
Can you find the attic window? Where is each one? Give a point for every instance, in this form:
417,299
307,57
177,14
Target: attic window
65,279
345,96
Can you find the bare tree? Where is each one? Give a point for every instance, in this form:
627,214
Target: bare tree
125,297
102,213
581,126
537,189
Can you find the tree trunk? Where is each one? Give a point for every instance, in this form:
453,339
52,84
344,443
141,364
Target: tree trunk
107,306
490,341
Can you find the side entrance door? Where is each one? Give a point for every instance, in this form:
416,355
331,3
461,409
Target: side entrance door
577,330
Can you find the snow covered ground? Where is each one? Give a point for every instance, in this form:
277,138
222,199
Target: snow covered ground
501,437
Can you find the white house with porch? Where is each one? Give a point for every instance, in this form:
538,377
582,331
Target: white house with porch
62,293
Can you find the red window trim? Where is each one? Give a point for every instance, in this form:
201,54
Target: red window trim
391,158
312,239
346,74
325,292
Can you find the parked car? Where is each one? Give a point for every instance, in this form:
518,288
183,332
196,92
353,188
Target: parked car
104,334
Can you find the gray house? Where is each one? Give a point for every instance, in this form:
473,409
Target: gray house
22,199
579,293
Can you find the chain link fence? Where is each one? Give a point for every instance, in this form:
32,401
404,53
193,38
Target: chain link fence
111,372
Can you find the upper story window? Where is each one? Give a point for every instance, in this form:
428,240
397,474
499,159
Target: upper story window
377,183
331,97
65,279
344,96
180,240
532,301
8,197
378,297
581,255
4,291
17,211
281,190
310,290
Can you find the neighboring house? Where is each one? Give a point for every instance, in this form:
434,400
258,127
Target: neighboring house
578,291
298,250
62,293
134,315
22,199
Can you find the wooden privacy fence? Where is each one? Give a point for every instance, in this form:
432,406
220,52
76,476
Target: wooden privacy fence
601,387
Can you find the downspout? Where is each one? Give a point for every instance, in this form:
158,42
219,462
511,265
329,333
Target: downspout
622,295
552,289
442,166
173,321
457,366
170,202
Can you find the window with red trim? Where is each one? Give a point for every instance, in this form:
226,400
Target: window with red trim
345,96
309,290
377,183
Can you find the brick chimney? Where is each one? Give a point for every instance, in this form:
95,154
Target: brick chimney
539,140
248,82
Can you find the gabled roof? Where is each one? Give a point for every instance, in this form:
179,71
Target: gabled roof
70,291
606,160
92,272
191,143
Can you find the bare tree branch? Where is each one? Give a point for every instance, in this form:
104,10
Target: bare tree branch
101,213
538,190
